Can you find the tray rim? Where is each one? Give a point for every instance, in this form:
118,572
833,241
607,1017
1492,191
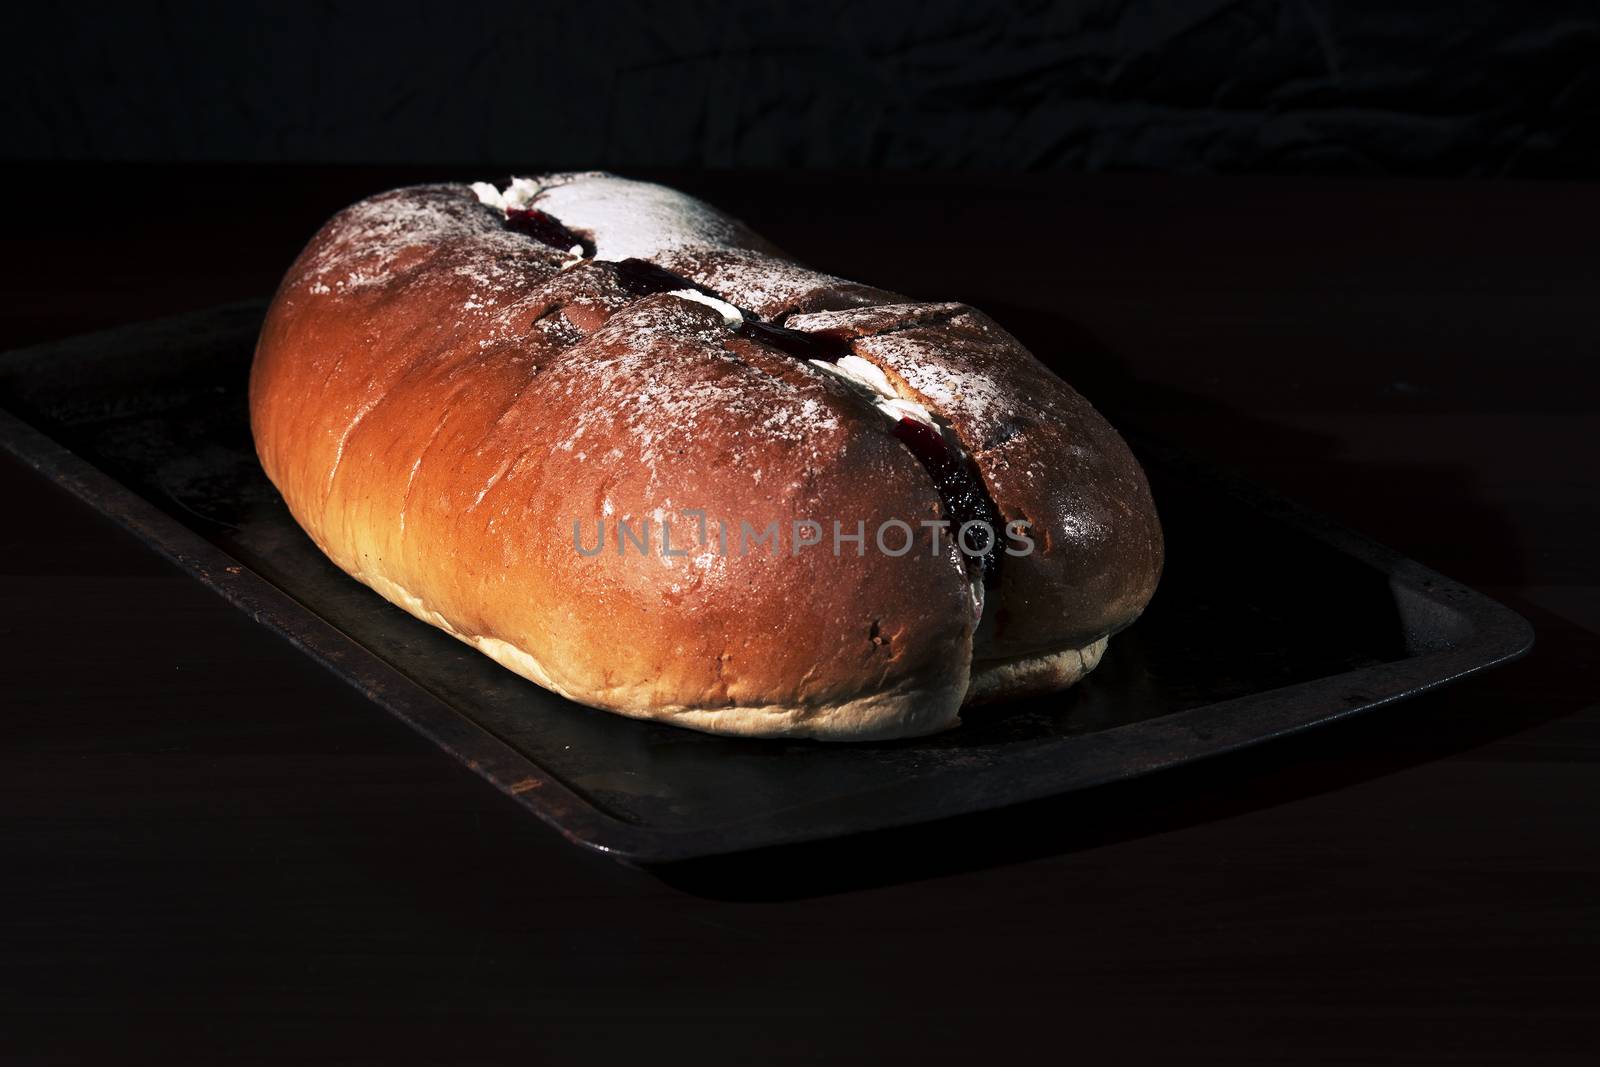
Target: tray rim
1497,635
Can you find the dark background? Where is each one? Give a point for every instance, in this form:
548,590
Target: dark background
1357,263
1209,86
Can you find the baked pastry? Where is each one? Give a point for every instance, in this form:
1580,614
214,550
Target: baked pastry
628,449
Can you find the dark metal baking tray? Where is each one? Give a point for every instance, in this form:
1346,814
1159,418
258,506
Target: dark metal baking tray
1268,621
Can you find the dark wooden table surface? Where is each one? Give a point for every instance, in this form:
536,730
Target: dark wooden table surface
213,851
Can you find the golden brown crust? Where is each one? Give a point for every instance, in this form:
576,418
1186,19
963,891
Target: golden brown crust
439,399
1046,456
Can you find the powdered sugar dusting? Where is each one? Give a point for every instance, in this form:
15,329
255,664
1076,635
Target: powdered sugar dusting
499,279
636,220
962,396
492,282
370,243
951,370
659,394
769,286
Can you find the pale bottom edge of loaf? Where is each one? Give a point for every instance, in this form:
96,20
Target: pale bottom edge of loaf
1044,672
909,710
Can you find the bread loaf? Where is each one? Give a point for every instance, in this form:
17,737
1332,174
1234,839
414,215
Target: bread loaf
619,443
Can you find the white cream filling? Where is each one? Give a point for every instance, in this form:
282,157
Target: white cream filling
519,194
868,377
730,314
516,195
